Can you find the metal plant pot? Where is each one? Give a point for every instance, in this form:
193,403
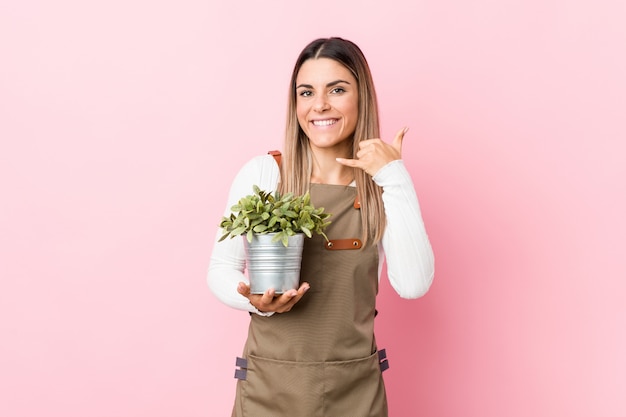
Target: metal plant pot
271,264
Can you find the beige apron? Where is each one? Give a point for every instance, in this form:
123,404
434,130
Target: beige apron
320,358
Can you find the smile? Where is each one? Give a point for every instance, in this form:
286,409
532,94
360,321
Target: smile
326,122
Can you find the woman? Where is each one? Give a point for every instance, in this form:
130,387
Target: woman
312,351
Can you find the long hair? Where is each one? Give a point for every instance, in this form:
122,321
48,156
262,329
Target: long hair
297,162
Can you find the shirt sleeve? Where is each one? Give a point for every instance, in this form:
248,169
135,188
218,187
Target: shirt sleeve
228,261
409,255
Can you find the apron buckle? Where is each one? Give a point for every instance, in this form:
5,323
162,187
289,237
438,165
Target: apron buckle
243,371
382,359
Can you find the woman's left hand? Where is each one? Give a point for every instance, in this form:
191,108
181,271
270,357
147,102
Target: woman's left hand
374,154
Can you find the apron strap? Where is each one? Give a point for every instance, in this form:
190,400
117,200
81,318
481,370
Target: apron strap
343,244
277,156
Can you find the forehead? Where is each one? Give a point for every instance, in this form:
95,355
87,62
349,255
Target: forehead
322,71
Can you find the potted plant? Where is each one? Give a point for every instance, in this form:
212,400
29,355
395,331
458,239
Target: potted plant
274,227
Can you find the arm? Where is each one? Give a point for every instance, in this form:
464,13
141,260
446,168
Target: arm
409,256
228,263
410,259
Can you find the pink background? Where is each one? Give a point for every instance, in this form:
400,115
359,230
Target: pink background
122,123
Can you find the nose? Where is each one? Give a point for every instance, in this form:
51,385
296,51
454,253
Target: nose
321,103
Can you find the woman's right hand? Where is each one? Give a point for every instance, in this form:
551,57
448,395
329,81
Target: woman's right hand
270,301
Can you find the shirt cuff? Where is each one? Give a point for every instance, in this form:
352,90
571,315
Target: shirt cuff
393,173
256,311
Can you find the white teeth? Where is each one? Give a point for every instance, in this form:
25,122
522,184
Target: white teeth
324,122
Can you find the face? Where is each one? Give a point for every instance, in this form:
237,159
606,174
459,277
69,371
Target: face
327,103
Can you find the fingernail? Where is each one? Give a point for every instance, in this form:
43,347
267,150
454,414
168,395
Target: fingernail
306,288
406,129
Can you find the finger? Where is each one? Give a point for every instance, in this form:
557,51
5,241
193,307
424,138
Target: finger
292,298
278,304
303,289
363,152
354,163
268,296
397,141
367,142
243,289
285,297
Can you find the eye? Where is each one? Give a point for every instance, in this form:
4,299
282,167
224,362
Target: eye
305,93
337,90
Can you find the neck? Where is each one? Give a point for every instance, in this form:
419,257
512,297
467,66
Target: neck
326,170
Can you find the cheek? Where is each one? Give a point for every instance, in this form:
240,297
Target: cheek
301,115
355,108
353,113
350,107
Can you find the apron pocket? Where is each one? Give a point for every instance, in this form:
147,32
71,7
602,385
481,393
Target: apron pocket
313,389
355,388
282,388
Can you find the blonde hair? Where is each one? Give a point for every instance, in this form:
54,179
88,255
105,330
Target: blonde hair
297,162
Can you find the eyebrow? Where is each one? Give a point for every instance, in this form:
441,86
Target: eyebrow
330,84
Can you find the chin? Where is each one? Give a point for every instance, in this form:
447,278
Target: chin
325,143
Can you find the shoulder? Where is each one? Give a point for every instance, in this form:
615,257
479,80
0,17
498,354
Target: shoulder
261,170
259,165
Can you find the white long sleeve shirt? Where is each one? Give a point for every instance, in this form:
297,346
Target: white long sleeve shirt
404,246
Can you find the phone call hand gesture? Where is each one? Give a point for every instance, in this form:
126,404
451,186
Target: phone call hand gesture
374,154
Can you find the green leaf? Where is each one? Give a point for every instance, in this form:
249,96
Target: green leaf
260,228
238,231
264,212
277,237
